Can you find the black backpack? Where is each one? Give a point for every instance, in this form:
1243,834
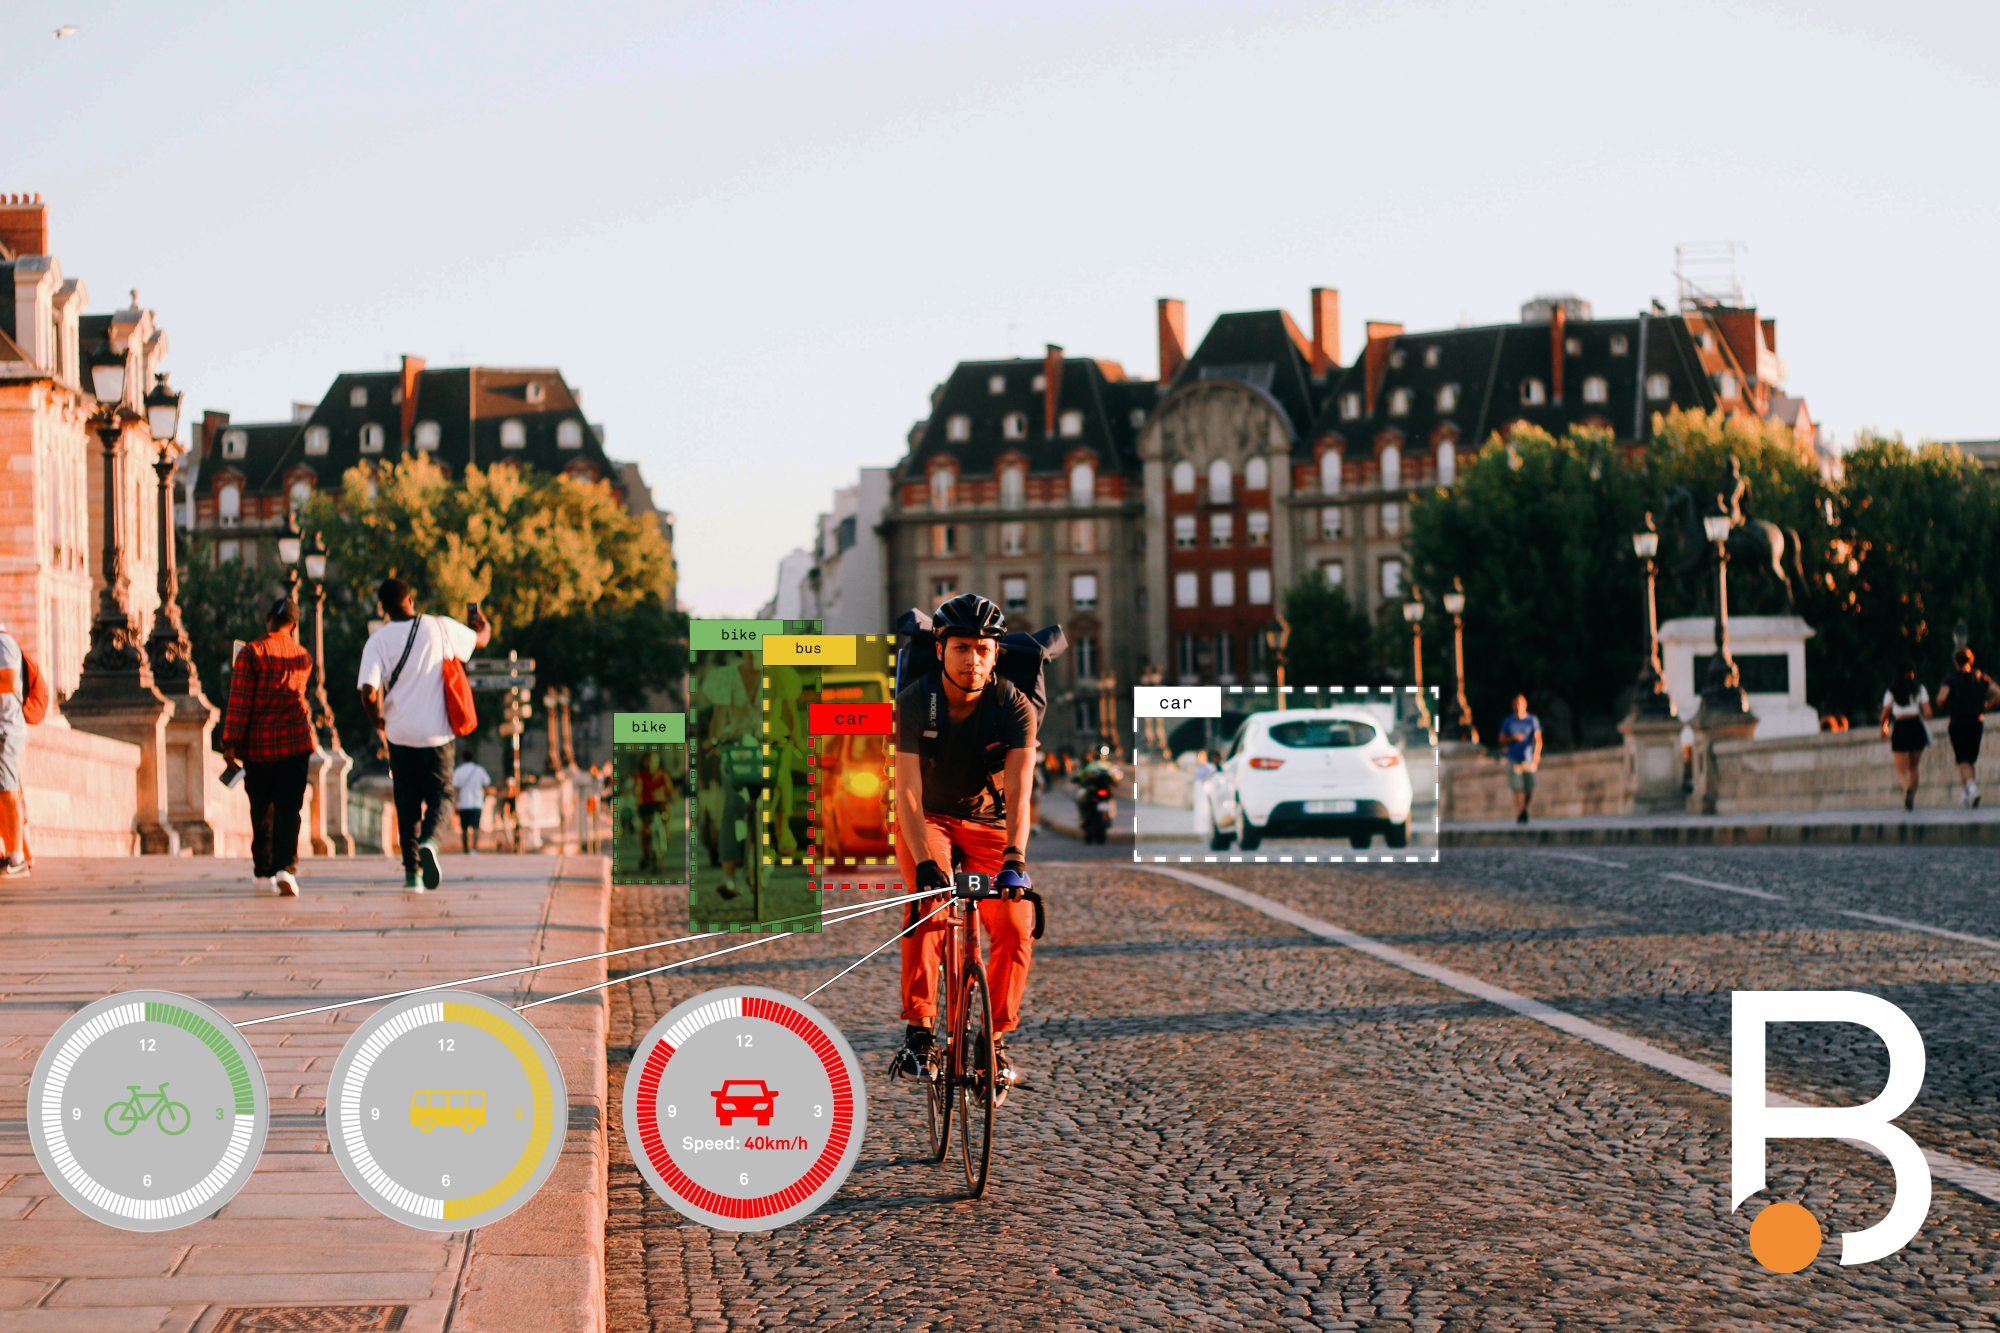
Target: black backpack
1023,658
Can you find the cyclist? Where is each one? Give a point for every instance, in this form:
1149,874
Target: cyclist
964,727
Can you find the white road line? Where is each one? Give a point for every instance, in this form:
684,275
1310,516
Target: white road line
1973,1179
1901,924
1594,860
1726,888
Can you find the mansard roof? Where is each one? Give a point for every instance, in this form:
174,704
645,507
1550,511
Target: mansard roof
1112,409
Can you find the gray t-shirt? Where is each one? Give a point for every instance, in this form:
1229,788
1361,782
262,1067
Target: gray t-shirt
10,702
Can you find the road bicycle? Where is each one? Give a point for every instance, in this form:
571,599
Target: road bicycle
121,1118
960,1065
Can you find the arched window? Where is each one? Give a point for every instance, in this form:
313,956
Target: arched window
1350,406
1392,468
1083,484
371,438
1013,486
301,492
513,435
1447,455
428,434
1447,398
1329,472
1532,393
1219,480
1595,390
958,428
1014,426
941,480
1070,425
569,434
229,504
1184,478
318,439
1256,475
996,384
235,444
1399,402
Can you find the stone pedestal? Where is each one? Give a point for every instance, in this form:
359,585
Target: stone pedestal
1653,772
326,789
189,733
1770,651
124,707
1707,731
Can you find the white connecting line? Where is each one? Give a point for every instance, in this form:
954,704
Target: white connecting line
857,910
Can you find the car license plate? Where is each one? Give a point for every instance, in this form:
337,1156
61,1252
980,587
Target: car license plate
1329,807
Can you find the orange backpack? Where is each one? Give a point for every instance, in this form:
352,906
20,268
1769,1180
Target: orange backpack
34,691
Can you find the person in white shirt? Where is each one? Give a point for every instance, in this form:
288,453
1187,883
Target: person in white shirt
1904,709
402,687
470,781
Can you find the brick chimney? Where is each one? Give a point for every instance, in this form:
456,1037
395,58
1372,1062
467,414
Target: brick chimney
413,369
1558,321
1173,337
1326,330
1375,357
24,224
212,423
1051,387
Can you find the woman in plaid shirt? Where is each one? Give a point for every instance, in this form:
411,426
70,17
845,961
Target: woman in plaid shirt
269,732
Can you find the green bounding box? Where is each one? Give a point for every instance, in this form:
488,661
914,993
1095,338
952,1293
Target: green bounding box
715,635
650,729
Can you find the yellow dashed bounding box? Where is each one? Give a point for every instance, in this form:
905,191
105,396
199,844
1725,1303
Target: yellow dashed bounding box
538,1090
809,649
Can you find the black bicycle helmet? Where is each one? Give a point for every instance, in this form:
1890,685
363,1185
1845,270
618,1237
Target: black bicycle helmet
968,616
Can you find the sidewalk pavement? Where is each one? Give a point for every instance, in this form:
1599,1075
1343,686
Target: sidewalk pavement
297,1236
1932,826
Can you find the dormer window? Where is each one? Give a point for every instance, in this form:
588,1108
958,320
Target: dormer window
1447,398
358,396
1399,402
1184,478
534,391
997,384
1014,426
1533,393
958,428
1596,389
1573,347
235,444
1432,355
1619,346
1396,359
318,439
569,435
427,435
1350,407
1039,383
1657,388
1725,385
1707,341
1070,425
513,435
372,436
1256,475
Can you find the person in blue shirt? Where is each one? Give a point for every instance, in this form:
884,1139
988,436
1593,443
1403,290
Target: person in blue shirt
1521,733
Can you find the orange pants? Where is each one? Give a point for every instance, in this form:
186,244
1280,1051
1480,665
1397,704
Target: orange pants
1010,931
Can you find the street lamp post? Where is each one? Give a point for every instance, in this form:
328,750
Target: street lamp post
322,711
1458,724
1413,612
114,638
1650,698
1722,700
167,648
290,544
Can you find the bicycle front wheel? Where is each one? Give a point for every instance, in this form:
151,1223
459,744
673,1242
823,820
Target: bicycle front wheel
938,1069
975,1082
174,1118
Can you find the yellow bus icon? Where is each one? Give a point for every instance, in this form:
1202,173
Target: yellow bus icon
429,1109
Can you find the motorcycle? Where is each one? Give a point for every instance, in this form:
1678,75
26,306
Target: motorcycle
1095,804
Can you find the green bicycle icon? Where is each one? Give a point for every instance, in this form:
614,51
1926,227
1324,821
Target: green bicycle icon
121,1118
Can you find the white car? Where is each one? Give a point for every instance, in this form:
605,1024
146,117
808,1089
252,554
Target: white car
1314,771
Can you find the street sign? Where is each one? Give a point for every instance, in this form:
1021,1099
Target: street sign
499,682
494,666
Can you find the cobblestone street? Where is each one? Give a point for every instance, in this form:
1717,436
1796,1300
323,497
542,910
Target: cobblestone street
1236,1124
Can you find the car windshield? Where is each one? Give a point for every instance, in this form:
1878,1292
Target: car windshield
744,1089
1323,733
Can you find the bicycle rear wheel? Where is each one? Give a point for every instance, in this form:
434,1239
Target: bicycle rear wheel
975,1083
938,1071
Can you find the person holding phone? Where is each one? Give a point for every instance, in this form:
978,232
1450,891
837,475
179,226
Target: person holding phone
267,730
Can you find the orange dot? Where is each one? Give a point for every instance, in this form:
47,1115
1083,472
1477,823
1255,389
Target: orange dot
1785,1238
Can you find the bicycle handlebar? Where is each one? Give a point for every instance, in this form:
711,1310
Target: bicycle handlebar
971,887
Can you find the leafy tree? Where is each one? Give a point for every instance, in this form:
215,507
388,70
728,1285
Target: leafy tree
1331,641
221,602
567,576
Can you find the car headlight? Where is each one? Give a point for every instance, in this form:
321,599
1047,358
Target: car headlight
863,783
1386,760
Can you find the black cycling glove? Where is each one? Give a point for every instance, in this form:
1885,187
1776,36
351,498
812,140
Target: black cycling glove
931,876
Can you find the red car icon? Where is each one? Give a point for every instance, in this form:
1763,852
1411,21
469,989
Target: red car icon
744,1097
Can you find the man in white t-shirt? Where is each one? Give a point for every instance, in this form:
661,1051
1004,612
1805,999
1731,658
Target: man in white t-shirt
470,781
402,687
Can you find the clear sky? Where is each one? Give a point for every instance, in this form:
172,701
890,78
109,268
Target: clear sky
756,235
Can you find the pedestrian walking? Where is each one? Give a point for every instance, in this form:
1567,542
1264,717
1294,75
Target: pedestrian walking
14,673
1965,696
267,730
1521,733
1904,709
470,781
402,687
